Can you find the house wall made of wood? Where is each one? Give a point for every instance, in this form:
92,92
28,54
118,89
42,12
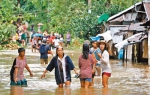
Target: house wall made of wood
115,39
114,29
139,50
128,48
145,48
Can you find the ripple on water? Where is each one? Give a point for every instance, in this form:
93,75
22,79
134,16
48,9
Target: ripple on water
126,79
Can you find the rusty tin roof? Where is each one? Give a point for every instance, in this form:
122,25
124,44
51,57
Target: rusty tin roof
133,27
147,9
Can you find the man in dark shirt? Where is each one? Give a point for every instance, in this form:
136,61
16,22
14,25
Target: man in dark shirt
44,49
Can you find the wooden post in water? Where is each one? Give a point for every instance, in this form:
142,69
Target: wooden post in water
149,46
89,6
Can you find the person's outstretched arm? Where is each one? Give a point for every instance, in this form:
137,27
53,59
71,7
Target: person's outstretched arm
44,74
50,67
27,67
75,71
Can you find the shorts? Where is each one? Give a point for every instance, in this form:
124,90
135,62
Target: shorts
68,42
86,79
44,61
33,46
107,74
19,83
97,64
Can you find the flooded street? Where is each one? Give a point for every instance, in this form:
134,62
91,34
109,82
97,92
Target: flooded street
126,79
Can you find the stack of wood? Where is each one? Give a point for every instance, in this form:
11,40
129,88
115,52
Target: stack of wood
10,46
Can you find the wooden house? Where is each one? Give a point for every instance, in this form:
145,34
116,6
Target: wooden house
147,25
127,23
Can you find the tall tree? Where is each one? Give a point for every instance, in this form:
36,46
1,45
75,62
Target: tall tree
58,15
7,16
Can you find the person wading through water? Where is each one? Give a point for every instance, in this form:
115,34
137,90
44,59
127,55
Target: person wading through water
105,64
63,65
16,73
86,65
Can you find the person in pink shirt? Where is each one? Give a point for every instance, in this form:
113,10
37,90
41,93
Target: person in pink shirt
34,44
85,63
16,73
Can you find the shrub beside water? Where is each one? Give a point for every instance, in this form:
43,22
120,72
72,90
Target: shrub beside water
76,44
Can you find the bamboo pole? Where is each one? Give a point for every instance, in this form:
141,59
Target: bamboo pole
89,6
149,47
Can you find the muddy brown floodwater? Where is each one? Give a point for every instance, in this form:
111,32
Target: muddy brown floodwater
126,79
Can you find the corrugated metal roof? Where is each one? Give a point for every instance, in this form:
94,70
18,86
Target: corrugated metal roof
117,19
118,25
120,33
146,23
133,27
129,16
125,17
147,9
122,12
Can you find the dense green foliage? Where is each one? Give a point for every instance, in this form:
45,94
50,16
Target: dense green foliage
6,15
58,15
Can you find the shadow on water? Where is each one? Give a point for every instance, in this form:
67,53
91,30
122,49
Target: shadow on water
127,78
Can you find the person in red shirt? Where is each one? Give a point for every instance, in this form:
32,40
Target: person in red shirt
85,63
50,40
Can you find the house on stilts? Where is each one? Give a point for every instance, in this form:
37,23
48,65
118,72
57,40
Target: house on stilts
130,33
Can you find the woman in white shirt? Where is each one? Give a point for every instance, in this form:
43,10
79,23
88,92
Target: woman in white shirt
61,40
56,42
105,64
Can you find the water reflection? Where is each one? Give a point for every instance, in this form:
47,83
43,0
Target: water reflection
16,90
105,91
97,81
89,91
145,72
63,91
127,79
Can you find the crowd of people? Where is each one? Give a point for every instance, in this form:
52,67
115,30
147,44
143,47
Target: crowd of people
91,60
42,42
24,36
53,40
46,42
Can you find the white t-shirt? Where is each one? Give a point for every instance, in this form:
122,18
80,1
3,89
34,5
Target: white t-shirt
56,42
20,33
61,39
63,66
105,64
